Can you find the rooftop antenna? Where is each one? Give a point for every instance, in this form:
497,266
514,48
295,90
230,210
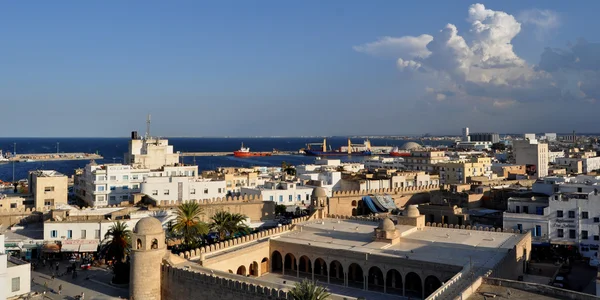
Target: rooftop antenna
148,127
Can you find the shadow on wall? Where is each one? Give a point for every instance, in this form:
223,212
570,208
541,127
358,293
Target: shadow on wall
419,198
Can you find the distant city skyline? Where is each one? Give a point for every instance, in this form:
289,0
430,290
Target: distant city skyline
334,68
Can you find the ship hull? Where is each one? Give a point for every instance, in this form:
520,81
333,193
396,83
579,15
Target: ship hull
333,153
399,154
251,154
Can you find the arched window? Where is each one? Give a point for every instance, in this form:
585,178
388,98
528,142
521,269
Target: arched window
139,244
154,244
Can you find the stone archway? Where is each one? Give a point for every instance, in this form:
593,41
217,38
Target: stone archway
393,282
412,286
432,283
241,271
336,273
290,265
321,269
264,266
355,276
305,265
375,280
253,269
354,203
276,262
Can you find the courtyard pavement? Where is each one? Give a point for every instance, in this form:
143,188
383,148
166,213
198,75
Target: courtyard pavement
95,283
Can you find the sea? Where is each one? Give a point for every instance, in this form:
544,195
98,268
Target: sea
113,150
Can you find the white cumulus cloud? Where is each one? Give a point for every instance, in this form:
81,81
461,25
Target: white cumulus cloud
407,46
543,21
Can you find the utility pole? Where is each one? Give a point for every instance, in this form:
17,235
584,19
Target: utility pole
14,158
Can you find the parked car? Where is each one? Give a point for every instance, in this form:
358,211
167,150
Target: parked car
560,281
594,262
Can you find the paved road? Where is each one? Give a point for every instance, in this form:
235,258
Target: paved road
94,283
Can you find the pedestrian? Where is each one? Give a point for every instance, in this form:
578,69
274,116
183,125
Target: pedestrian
82,296
59,289
45,285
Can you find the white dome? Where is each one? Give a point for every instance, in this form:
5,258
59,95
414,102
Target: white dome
411,146
148,225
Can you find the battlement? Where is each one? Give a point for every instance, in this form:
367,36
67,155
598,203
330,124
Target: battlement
179,283
199,252
229,199
390,191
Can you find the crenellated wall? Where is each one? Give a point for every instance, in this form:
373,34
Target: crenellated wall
249,205
192,284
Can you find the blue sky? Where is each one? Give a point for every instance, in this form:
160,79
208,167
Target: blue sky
263,68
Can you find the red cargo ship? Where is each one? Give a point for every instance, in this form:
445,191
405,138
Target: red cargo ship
396,152
245,152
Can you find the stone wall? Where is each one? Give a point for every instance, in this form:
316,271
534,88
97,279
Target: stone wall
536,288
190,284
249,205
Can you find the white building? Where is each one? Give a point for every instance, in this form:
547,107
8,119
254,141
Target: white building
529,136
182,188
579,165
389,163
331,181
286,193
554,155
564,219
15,275
150,153
549,137
533,155
559,184
329,164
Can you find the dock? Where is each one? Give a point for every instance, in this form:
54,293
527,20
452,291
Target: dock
274,153
33,157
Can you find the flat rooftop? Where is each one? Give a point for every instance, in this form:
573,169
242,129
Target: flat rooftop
431,244
486,290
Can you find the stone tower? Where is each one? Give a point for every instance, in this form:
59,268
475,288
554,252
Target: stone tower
319,202
147,252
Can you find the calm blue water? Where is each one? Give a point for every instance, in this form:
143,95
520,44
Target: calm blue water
113,149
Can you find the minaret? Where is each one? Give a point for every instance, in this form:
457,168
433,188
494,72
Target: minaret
148,127
147,252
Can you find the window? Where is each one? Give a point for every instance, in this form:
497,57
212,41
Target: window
135,186
561,233
83,234
69,234
525,209
100,188
205,191
584,215
271,198
97,234
125,187
559,213
53,234
572,234
125,197
220,190
596,220
100,198
518,209
584,235
520,226
112,198
113,177
12,205
100,178
572,214
16,284
125,177
135,177
166,192
538,230
193,191
299,197
290,198
280,198
579,190
154,192
112,187
596,238
48,202
49,189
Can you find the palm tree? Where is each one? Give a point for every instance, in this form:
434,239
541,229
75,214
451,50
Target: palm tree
309,290
188,223
226,223
117,241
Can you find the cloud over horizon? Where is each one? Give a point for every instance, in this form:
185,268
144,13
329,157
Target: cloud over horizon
485,74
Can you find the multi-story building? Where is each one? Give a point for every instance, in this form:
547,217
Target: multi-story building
565,218
553,155
286,193
329,164
425,160
49,188
15,275
532,154
508,170
388,180
484,137
331,181
579,165
390,163
458,172
563,184
182,188
150,153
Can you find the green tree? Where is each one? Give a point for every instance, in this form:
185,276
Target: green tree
117,241
309,290
188,225
498,146
280,209
225,223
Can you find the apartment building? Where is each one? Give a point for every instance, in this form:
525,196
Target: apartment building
532,154
425,160
150,153
48,188
458,172
286,193
182,188
390,163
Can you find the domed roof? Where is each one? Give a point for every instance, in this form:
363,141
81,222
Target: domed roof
148,225
411,146
412,211
319,192
387,225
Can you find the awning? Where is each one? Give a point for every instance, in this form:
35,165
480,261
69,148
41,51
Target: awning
51,248
93,247
69,248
